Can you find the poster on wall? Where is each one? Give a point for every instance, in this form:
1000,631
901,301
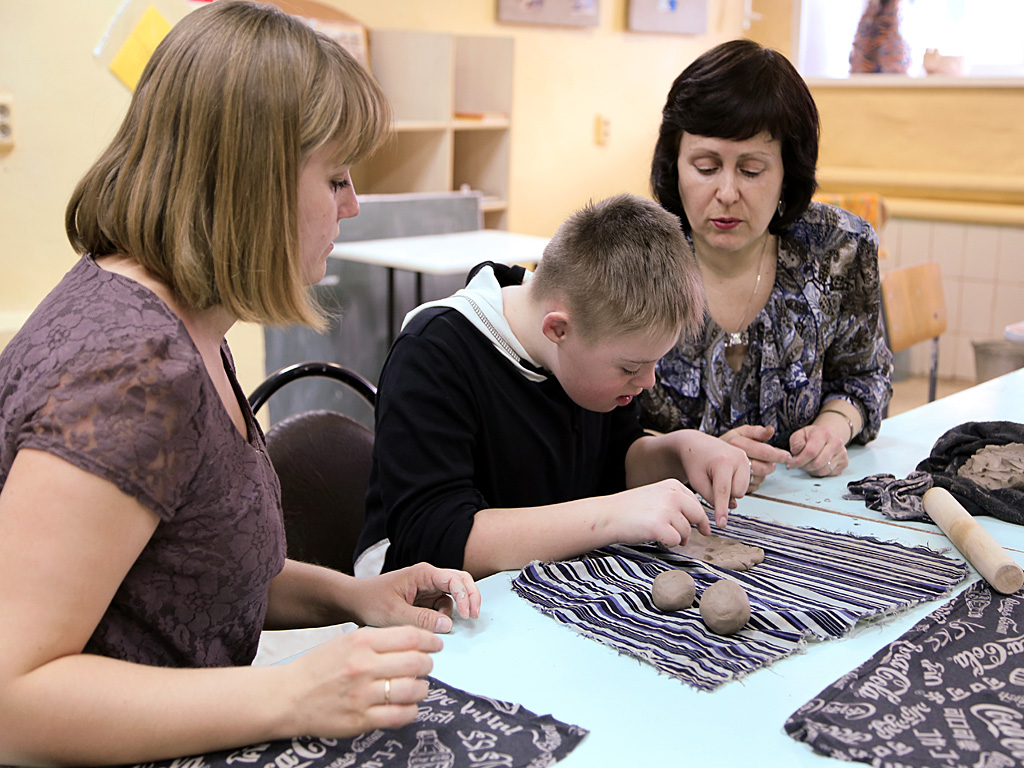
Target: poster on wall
350,35
686,17
563,13
133,33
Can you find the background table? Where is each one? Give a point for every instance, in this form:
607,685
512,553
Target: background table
447,254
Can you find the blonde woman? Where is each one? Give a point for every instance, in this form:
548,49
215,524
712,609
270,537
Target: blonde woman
141,538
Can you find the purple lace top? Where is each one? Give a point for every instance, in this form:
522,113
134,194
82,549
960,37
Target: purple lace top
105,376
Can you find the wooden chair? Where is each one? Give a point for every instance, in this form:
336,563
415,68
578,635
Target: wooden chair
870,206
915,311
322,459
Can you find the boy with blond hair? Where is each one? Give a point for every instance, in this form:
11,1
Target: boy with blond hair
506,427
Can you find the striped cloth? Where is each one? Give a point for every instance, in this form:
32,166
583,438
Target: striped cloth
812,585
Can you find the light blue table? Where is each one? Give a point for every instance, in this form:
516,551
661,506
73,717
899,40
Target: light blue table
903,442
638,717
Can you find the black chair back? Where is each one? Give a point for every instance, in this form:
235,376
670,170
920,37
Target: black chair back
322,459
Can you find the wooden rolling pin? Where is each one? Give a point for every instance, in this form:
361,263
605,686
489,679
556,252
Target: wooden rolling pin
974,542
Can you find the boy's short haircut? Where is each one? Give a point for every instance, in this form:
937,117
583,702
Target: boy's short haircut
200,183
623,265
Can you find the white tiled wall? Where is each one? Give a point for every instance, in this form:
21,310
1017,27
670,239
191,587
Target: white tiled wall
983,277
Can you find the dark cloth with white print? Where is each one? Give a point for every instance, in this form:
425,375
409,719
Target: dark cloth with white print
947,694
453,729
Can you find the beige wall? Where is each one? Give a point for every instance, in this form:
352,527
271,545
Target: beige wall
946,143
778,25
67,106
563,79
64,110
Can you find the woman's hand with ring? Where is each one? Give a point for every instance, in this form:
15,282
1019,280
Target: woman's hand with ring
818,451
359,681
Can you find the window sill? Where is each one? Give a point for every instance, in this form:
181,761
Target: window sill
974,198
951,211
906,81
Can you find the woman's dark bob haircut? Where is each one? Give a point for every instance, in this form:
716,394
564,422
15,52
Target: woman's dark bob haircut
736,91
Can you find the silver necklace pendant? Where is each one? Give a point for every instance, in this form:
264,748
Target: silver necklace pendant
737,339
741,338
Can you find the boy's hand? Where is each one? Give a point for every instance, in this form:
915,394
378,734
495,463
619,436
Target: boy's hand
662,512
753,440
716,470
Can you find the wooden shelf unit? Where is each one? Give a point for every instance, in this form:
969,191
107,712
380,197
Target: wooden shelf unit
452,97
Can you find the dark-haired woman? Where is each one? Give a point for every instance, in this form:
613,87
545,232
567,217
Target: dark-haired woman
791,364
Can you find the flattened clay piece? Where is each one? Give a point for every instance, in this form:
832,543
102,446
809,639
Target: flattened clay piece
725,608
673,590
720,551
996,466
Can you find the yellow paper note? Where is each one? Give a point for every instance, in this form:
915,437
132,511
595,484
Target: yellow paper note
131,57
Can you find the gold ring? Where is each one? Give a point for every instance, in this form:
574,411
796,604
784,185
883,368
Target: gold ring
387,691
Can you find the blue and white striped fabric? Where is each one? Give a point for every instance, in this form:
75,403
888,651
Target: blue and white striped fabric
812,585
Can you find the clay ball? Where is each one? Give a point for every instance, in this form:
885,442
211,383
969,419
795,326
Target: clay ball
725,608
673,590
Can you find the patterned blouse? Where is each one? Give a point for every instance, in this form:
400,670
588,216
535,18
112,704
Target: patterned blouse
818,338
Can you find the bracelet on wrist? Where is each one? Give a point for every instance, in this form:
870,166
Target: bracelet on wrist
849,421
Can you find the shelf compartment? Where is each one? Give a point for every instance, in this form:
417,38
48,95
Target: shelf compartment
452,101
485,123
481,160
412,162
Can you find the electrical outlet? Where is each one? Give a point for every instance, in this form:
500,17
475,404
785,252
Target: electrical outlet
6,120
602,130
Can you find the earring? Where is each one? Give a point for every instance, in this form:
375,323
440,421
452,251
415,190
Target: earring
781,207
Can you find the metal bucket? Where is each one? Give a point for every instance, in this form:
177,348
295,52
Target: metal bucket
996,357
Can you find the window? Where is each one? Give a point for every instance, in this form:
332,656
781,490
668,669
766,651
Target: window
985,33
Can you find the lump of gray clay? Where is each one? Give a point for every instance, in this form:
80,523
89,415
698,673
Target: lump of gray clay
724,607
721,551
673,590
